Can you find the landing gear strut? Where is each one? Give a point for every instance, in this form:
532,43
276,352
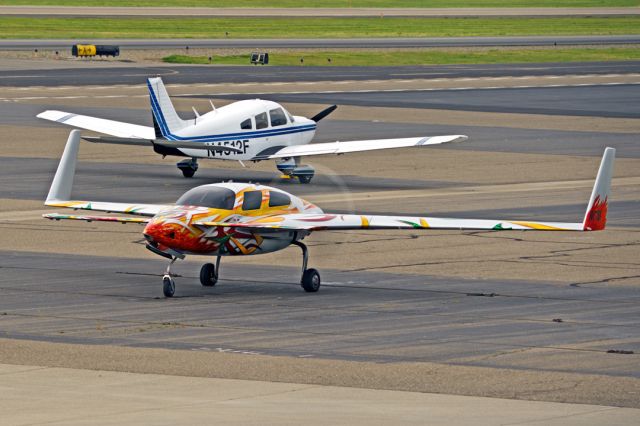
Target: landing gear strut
168,284
188,167
310,280
209,273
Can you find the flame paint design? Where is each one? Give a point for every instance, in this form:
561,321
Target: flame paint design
596,219
177,228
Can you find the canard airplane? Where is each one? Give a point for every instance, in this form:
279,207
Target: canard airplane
239,219
249,130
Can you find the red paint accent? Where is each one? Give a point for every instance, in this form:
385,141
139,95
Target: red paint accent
597,217
323,218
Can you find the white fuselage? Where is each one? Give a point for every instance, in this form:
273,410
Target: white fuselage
251,127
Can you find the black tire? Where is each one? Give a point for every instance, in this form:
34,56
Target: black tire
304,178
188,173
208,277
168,286
310,281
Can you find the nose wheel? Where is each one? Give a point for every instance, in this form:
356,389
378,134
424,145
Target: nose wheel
310,280
168,286
168,283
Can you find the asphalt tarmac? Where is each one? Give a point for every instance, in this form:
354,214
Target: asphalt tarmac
106,73
545,316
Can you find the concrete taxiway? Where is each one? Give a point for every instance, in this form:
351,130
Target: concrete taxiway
530,316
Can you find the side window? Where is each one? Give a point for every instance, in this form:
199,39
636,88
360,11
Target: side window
252,200
277,199
277,117
246,124
261,121
291,119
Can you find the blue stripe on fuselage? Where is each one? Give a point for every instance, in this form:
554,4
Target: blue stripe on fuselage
164,128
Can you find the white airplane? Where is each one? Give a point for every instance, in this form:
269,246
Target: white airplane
250,130
238,219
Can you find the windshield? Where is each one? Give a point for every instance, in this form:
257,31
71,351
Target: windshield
208,196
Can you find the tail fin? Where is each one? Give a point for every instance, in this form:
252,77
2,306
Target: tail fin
595,218
63,180
165,119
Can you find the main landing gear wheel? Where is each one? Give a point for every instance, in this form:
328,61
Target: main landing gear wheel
188,167
168,286
304,179
310,280
208,275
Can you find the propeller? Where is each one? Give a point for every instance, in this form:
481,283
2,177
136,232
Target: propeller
322,114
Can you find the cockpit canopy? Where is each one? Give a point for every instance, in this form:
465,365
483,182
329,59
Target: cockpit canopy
218,197
213,197
274,118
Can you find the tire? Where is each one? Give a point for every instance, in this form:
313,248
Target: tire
304,179
310,281
168,286
188,173
208,277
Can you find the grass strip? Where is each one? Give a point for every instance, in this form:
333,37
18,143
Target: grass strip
143,28
326,3
421,57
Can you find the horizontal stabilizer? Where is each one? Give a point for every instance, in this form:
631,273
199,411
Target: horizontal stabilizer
117,141
160,142
100,125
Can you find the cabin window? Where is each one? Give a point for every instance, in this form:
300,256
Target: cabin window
278,199
277,117
208,196
252,200
291,119
246,124
261,121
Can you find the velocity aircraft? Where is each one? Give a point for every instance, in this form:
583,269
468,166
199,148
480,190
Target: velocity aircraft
249,130
239,219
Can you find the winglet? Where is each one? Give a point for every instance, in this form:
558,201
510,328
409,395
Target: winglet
595,217
63,180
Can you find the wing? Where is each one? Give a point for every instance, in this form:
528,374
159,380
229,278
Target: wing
100,125
328,222
100,206
54,216
355,146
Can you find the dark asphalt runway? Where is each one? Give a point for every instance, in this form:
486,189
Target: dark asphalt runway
97,74
332,43
356,315
622,101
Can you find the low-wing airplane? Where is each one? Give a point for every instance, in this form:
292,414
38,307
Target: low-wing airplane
237,219
249,130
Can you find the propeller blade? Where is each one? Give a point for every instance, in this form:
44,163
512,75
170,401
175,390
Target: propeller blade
322,114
